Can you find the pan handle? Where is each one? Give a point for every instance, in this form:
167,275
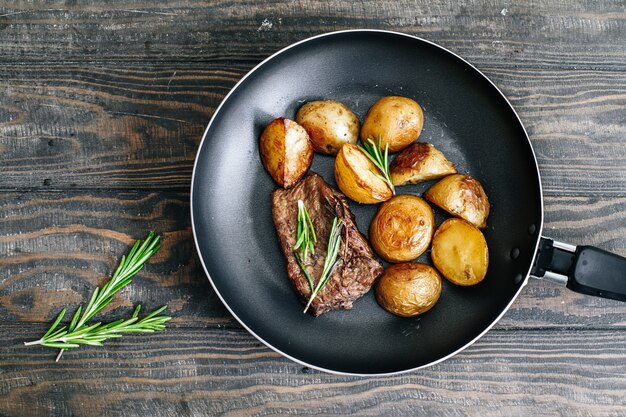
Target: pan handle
584,269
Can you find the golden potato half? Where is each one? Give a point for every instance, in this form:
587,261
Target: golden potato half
398,121
420,162
354,174
402,228
462,196
408,289
460,252
329,124
286,151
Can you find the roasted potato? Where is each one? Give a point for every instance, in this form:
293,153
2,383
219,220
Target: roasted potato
398,121
402,228
419,162
329,124
462,196
286,151
408,289
460,252
354,174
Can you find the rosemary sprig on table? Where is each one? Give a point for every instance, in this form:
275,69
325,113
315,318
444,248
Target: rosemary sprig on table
80,332
330,260
381,160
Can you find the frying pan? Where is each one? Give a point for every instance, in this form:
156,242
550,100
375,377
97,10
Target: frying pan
466,117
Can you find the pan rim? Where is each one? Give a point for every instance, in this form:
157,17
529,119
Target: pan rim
275,349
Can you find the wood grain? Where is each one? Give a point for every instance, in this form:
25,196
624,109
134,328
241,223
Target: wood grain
564,34
193,372
120,128
76,126
102,108
56,246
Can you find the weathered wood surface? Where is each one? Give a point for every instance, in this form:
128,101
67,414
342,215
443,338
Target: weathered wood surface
137,126
563,34
213,371
102,108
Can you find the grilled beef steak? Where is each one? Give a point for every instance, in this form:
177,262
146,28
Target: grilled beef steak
356,267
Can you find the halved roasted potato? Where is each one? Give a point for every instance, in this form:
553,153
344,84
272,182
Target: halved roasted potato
408,289
462,196
286,151
402,228
397,120
460,252
356,176
329,124
419,162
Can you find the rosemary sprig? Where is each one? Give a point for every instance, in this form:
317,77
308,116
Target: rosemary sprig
330,260
380,159
305,237
95,334
79,332
303,268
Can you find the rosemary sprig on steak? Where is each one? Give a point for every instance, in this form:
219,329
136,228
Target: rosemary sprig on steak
332,253
305,240
305,237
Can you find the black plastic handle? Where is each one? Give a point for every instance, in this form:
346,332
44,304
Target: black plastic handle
584,269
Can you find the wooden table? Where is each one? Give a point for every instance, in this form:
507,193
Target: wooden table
102,108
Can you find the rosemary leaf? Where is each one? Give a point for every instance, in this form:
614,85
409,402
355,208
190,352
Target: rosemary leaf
75,318
379,159
56,323
60,345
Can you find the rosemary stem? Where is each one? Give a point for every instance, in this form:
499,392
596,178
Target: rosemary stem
309,303
34,342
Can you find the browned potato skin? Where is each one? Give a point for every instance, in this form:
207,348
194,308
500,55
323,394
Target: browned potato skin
460,252
408,289
286,151
402,228
330,124
419,162
354,174
398,121
462,196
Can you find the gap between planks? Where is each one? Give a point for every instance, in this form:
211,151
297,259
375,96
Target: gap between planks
234,326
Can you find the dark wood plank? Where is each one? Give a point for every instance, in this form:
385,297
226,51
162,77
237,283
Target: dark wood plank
55,247
139,126
77,126
192,372
569,34
576,122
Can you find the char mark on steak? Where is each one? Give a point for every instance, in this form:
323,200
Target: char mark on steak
356,268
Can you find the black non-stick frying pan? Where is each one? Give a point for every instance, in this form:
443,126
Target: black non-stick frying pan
466,117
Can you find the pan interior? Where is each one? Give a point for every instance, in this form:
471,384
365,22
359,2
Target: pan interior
465,117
